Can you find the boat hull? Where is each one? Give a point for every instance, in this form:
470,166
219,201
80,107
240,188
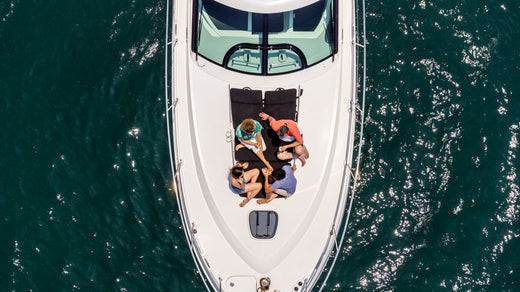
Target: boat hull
217,229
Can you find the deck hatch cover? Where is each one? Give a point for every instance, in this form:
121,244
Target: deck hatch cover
263,224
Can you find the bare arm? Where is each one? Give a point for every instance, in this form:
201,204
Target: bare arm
237,183
247,142
258,139
265,116
267,186
244,165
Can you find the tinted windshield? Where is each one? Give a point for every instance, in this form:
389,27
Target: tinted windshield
264,43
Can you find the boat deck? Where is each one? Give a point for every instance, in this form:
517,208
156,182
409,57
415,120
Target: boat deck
227,254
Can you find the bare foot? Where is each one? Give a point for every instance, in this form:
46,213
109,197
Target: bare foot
306,152
239,146
302,160
244,202
262,201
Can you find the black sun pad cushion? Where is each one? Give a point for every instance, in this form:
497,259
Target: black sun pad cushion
245,155
245,103
281,104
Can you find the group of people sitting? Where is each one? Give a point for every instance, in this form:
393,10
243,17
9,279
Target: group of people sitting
277,182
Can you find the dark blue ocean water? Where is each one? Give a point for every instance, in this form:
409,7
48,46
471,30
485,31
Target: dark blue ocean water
85,184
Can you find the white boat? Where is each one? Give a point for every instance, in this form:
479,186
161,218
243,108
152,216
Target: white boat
289,57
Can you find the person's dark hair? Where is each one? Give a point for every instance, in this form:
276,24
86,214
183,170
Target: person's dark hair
283,130
236,171
278,174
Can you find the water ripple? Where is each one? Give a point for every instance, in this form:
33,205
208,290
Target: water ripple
88,201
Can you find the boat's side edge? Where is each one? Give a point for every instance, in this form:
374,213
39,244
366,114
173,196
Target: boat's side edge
359,44
339,218
171,40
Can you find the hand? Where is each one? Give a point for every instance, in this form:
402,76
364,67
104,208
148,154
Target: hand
258,144
245,165
264,116
282,148
266,171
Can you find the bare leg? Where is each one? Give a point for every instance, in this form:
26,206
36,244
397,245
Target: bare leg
239,146
252,189
302,150
284,155
302,153
303,160
268,199
260,155
251,176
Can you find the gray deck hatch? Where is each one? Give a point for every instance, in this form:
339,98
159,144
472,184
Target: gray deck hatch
263,224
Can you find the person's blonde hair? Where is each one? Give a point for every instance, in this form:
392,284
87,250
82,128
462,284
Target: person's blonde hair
248,125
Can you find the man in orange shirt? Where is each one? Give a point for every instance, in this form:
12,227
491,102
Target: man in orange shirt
291,136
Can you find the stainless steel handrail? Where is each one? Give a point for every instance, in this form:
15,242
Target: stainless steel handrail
170,103
360,145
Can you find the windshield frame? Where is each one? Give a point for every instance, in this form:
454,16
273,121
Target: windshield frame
298,57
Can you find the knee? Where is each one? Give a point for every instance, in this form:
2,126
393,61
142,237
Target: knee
284,155
255,171
299,150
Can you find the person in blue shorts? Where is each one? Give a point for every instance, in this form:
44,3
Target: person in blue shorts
244,182
284,183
